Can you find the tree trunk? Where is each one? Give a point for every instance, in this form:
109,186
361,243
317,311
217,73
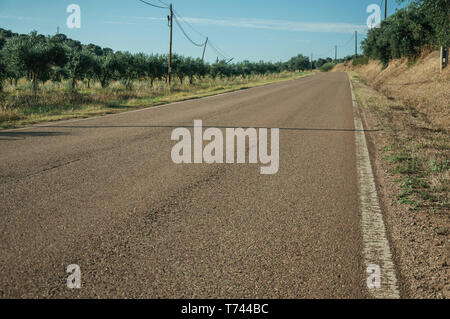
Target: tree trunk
34,81
103,82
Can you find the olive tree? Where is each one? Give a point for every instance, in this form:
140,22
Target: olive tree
79,62
34,53
105,67
156,67
2,71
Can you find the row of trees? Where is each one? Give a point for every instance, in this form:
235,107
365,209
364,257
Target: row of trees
58,58
422,23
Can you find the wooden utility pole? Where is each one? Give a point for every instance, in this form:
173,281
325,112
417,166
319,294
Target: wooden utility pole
169,75
311,62
335,53
204,49
444,58
385,9
356,44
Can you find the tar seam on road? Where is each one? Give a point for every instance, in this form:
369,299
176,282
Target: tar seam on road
376,248
345,130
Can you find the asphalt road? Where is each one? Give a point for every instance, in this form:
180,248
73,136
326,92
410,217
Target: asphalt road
104,193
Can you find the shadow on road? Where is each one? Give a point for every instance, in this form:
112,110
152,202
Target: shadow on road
204,126
15,136
12,136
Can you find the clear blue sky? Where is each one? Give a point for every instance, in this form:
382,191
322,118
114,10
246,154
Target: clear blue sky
270,30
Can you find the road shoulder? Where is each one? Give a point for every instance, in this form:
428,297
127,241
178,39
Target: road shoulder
411,187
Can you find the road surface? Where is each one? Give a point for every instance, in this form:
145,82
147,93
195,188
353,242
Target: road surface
104,194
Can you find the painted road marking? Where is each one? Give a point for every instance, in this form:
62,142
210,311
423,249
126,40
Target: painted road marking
375,243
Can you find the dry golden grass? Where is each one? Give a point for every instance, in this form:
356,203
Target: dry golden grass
341,67
412,164
9,115
56,101
417,84
416,150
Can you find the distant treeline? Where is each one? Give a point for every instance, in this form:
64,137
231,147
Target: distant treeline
41,58
423,23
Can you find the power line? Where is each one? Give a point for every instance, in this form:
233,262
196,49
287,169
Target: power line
190,25
186,35
164,3
325,54
338,46
178,17
154,5
213,46
207,42
219,52
348,42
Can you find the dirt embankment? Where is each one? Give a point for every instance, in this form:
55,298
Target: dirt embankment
417,84
409,107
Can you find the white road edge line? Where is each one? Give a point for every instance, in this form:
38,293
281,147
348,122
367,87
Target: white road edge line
75,120
375,243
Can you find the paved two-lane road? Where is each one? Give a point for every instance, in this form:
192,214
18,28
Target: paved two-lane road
104,193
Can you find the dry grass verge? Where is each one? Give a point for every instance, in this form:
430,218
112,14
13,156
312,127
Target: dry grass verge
413,169
418,84
56,101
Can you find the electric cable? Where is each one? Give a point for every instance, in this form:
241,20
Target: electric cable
186,35
153,5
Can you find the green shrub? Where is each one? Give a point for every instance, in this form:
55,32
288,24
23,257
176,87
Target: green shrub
363,60
409,30
327,67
